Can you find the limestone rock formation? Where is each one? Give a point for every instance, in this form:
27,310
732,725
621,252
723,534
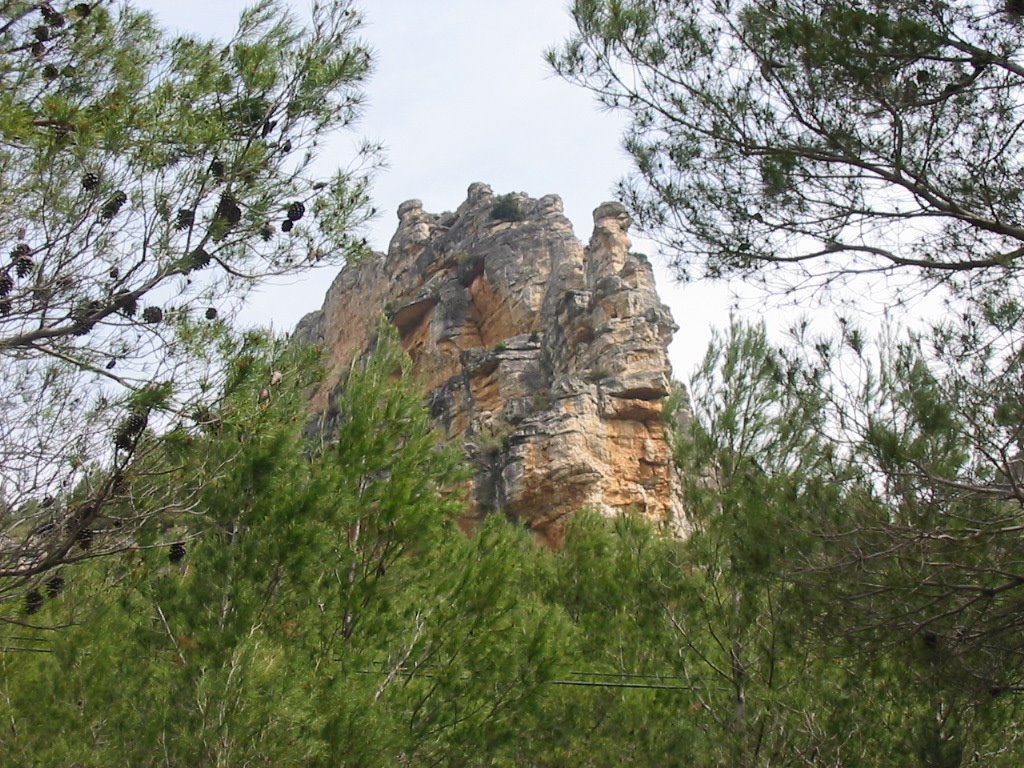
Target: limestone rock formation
545,358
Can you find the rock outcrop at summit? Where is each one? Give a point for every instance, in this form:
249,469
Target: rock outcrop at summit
545,358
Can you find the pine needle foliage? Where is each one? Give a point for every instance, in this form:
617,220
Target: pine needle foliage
327,612
138,173
802,143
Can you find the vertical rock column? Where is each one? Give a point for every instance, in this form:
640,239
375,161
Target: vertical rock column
545,359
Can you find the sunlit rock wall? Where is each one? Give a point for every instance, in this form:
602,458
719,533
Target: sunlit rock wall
545,358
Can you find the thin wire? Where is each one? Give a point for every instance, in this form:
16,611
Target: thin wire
600,684
583,683
583,673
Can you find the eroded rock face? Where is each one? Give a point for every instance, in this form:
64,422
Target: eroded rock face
545,358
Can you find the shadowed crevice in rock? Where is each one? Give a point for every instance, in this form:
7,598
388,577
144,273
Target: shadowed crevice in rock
546,359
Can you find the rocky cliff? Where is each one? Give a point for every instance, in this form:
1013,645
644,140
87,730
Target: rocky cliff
545,358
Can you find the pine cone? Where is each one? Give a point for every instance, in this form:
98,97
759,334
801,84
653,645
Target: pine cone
33,601
6,283
228,210
186,218
177,552
152,315
211,314
129,429
23,266
198,259
123,441
82,315
286,225
136,422
296,211
54,586
113,205
128,304
90,181
51,16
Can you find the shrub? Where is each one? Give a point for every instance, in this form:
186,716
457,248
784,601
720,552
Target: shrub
508,208
493,442
542,401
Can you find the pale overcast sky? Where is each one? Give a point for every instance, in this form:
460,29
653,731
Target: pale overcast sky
461,93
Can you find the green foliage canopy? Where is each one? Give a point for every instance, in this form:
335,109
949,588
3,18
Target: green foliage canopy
320,611
147,182
835,138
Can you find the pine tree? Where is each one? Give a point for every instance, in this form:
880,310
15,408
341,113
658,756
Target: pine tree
137,173
327,612
809,141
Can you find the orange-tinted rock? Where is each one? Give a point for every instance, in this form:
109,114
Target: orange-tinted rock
544,358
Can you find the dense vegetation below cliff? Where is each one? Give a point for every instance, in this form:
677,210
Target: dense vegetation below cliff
324,609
